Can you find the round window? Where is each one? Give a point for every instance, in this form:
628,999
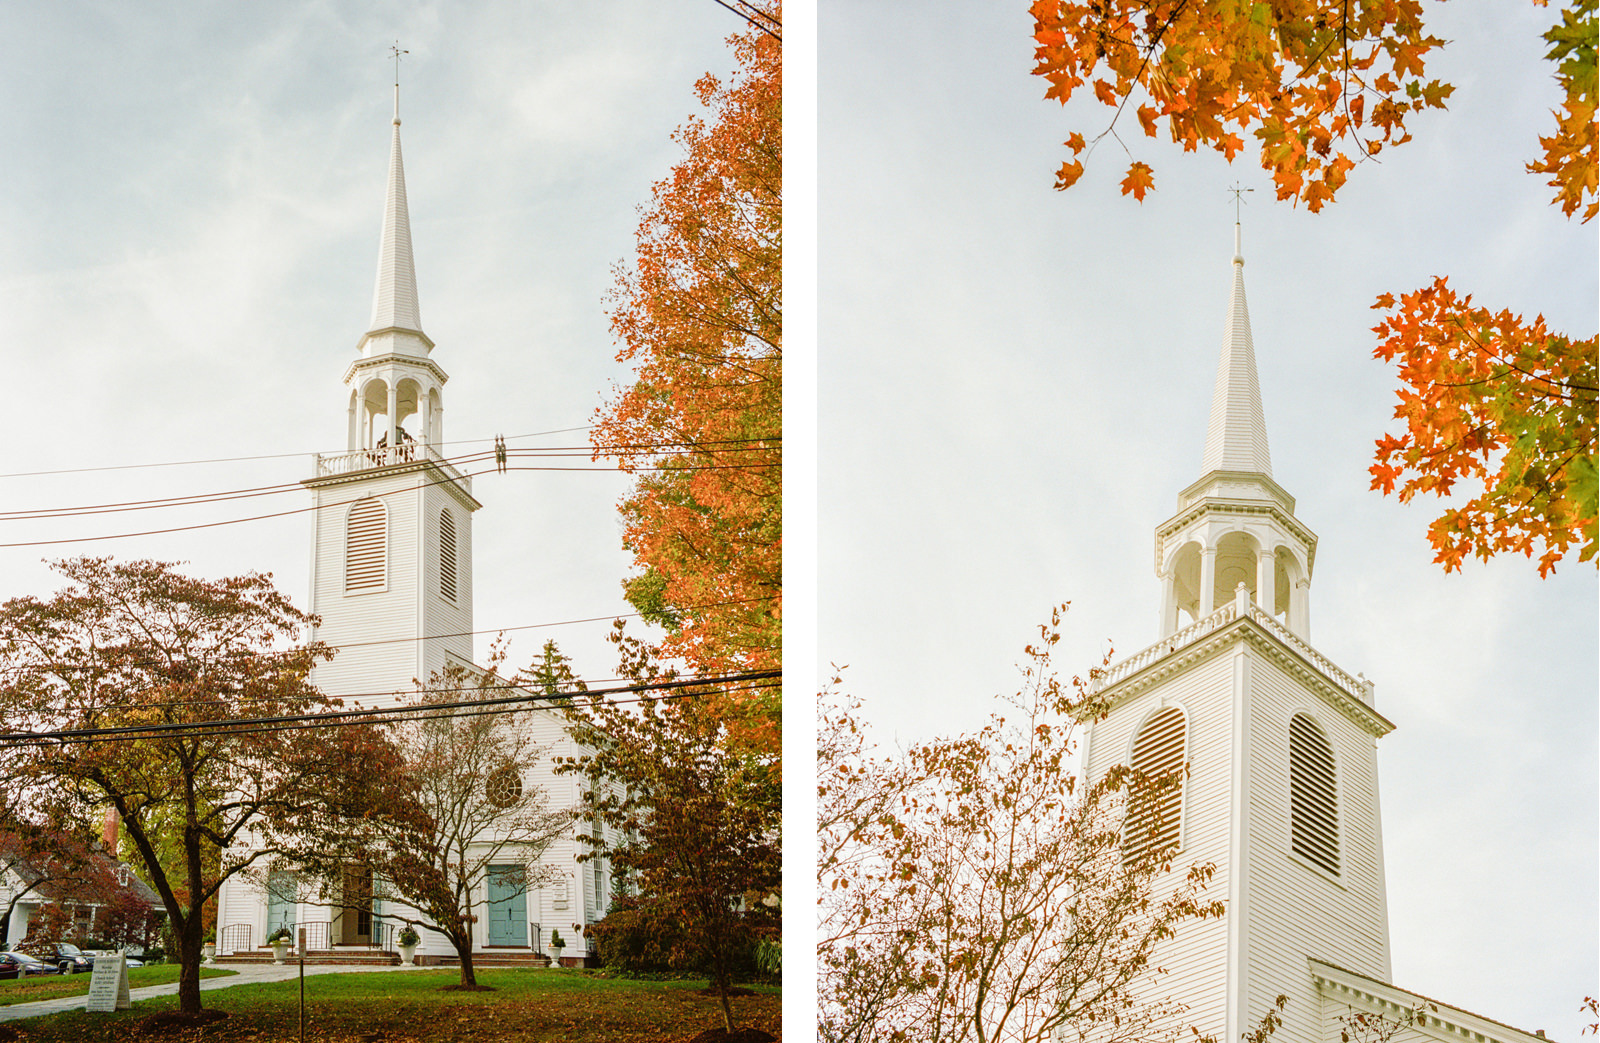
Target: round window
505,787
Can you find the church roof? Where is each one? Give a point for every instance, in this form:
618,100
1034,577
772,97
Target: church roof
1237,437
394,300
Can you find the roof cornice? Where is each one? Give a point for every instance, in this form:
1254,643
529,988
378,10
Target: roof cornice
1441,1021
1226,506
394,358
436,475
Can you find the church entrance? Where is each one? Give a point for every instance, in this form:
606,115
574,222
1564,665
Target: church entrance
281,899
354,926
508,906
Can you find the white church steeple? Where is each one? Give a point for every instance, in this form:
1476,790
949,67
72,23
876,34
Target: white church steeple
1235,525
392,548
396,320
1278,745
1237,438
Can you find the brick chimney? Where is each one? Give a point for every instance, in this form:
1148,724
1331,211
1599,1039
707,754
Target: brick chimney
109,831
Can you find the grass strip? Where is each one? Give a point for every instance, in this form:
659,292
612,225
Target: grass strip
536,1005
53,986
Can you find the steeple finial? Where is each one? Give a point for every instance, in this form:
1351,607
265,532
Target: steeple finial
1237,437
396,52
394,299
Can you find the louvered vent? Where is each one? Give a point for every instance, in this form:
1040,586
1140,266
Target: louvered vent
365,556
447,555
1313,804
1155,811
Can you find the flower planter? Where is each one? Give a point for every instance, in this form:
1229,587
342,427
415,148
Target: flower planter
407,955
208,952
280,949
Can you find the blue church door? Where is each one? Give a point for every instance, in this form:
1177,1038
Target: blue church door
508,906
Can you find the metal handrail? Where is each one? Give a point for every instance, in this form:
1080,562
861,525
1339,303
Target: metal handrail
236,936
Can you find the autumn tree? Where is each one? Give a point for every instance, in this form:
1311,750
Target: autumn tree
40,858
122,690
699,316
1322,85
1499,403
690,826
975,888
469,811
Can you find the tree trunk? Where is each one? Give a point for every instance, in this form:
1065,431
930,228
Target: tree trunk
463,944
189,964
723,981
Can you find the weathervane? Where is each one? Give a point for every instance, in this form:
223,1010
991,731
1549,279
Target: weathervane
1238,194
396,52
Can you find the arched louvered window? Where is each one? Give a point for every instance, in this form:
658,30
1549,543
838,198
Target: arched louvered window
366,557
447,555
1313,799
1155,807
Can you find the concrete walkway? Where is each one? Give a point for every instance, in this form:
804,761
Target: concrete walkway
249,973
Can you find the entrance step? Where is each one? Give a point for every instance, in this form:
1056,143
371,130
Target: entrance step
350,957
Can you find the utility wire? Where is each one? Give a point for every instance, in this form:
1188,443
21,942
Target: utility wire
57,668
763,25
301,510
192,499
245,725
266,456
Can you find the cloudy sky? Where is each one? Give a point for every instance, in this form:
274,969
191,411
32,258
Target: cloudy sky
191,209
1015,384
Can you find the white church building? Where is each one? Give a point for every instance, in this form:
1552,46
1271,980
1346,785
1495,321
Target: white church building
1281,793
391,580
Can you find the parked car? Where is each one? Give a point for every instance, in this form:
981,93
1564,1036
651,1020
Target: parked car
21,965
64,955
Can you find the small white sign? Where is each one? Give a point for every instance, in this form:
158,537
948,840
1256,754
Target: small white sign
108,989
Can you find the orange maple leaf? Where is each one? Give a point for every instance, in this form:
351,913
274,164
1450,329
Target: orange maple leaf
1139,181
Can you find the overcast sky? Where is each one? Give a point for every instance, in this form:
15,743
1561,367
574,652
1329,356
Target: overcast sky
1015,385
192,201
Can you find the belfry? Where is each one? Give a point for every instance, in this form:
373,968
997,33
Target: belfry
1277,749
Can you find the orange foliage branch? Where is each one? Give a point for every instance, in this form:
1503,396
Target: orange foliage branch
1499,402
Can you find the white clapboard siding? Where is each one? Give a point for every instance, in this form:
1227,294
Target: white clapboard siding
1296,908
1196,958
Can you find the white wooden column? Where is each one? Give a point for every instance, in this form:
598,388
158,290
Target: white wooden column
1169,605
394,413
1267,580
1208,580
1300,608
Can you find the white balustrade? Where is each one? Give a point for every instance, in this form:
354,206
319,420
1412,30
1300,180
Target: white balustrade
330,464
1120,671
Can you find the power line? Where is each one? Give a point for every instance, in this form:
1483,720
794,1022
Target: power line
58,668
194,499
336,718
266,456
762,25
301,510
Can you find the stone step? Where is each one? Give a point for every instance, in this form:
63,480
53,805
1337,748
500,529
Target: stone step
356,957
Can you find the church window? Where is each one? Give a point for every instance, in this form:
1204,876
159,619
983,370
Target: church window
504,787
447,555
366,547
1313,804
1155,807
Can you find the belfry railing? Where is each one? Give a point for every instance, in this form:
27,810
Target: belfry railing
1359,688
330,464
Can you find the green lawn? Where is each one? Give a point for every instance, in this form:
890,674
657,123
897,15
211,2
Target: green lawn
52,986
409,1007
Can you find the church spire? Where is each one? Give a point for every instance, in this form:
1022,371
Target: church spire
396,320
1237,437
